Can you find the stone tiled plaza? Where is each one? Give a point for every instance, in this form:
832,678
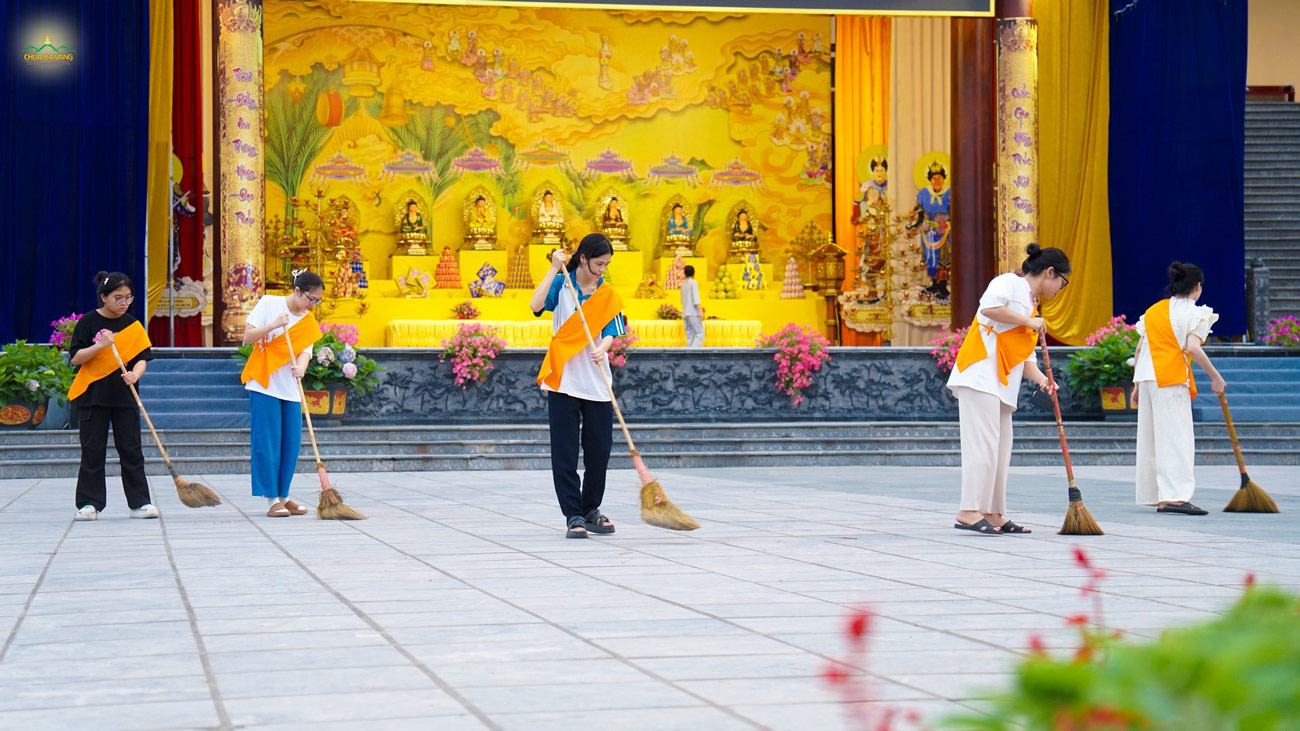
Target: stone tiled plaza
459,604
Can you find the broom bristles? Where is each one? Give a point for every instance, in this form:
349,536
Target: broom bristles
1079,522
193,494
330,506
658,510
1250,498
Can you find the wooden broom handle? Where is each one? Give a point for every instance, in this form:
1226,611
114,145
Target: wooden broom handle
1232,432
609,387
1056,407
140,404
303,394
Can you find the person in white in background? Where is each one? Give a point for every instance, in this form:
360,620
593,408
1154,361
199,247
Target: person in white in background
692,313
1171,331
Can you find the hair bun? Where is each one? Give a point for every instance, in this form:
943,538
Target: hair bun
1033,250
1177,271
100,277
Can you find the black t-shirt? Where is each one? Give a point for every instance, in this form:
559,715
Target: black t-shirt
110,390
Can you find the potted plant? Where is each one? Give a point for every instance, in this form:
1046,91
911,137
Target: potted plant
1284,332
472,351
58,411
31,375
800,353
335,370
1105,367
944,347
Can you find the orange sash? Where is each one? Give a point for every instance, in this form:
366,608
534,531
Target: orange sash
1014,347
1173,365
267,358
600,309
131,342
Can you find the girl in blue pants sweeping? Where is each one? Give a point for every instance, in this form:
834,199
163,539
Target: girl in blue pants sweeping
271,378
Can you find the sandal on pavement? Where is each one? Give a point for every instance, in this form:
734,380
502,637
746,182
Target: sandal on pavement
278,511
983,527
1009,528
577,527
1181,509
294,508
596,522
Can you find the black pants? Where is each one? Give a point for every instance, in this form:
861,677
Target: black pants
93,422
592,422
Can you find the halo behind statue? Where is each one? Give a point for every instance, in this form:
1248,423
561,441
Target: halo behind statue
933,160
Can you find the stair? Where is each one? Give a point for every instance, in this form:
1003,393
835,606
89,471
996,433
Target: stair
1260,389
195,393
1273,201
390,449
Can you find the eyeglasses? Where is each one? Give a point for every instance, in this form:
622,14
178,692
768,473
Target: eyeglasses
313,301
124,300
1064,279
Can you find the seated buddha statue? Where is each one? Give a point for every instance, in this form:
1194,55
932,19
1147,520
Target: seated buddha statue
412,235
613,225
677,234
480,226
548,220
744,240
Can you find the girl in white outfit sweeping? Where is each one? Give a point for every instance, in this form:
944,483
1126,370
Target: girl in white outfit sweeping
1171,331
997,353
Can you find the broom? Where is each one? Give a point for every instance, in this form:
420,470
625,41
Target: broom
191,494
656,508
1249,498
330,506
1078,521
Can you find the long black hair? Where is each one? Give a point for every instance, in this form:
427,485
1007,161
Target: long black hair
107,282
1040,259
592,246
1184,278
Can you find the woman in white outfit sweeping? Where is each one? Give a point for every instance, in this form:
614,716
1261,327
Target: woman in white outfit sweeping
1171,331
997,353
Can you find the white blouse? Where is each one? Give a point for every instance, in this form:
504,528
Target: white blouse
1187,319
1011,291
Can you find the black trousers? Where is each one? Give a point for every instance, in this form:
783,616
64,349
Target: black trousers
574,421
93,421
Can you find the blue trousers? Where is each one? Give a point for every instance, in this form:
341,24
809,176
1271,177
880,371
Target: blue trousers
277,437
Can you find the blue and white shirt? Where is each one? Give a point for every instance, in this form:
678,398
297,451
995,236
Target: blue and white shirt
580,378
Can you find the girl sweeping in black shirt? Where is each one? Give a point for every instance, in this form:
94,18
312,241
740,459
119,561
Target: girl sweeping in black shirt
102,396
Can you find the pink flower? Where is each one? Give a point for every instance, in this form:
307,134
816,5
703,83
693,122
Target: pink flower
349,370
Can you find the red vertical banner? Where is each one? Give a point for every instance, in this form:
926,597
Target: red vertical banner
187,145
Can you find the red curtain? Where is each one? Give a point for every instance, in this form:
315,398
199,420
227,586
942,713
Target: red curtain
187,143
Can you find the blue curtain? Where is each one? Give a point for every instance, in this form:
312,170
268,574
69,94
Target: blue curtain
1177,111
73,154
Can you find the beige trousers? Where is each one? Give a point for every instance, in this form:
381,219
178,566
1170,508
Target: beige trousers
1166,444
985,450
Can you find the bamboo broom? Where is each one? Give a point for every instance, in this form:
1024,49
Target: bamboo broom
191,494
330,506
1078,521
656,508
1249,498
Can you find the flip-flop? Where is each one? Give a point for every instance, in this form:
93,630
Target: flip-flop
295,509
983,527
1009,528
278,512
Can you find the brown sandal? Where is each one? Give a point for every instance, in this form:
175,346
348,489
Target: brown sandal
278,511
294,508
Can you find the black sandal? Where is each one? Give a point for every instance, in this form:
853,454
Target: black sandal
596,522
1012,528
983,527
577,527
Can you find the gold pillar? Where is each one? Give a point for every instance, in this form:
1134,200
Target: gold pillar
242,185
1017,140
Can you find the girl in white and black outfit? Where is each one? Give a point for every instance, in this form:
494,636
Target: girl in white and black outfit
578,401
107,400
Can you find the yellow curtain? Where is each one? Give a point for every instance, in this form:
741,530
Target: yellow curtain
922,111
160,149
1074,114
861,121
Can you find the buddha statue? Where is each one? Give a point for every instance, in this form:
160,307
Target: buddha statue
480,223
548,219
744,239
412,234
677,232
613,224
